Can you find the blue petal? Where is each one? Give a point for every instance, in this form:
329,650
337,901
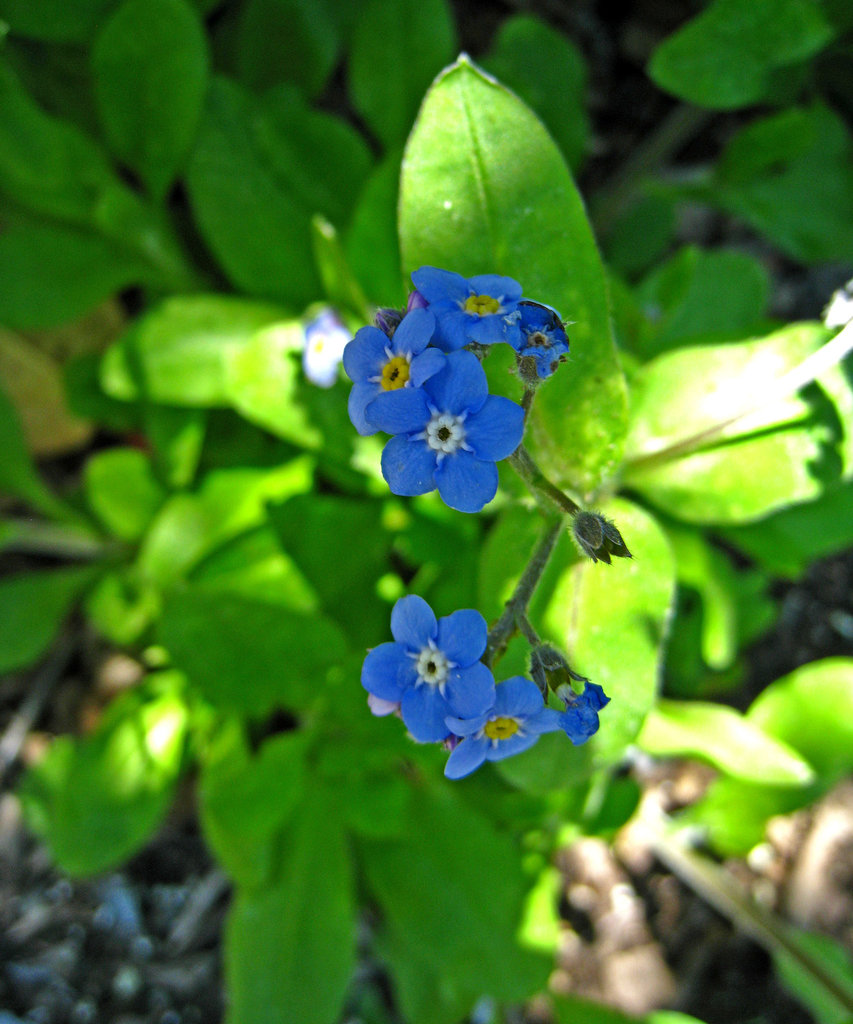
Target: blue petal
365,355
470,691
388,671
547,720
426,365
435,284
460,386
579,723
402,411
466,726
490,330
518,696
361,395
462,636
496,430
466,758
452,331
408,466
504,288
424,711
413,622
465,483
594,696
414,332
511,746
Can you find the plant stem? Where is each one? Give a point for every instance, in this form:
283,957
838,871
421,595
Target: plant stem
547,494
516,606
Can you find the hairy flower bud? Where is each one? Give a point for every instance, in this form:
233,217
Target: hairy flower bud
598,538
550,670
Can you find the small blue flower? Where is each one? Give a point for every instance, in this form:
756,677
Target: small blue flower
448,434
432,670
580,719
542,336
482,308
325,340
512,724
380,365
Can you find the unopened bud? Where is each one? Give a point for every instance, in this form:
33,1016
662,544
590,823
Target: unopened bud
550,670
388,320
598,538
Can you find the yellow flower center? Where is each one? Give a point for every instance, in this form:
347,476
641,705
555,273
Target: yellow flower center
501,728
395,373
481,305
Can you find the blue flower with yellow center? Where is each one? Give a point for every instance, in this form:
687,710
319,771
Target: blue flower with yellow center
511,725
432,669
542,336
377,364
482,308
448,435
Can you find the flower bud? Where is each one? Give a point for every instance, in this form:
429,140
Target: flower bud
550,670
598,538
388,320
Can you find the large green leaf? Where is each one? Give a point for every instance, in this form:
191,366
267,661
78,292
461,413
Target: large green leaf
726,56
150,71
290,947
55,21
788,450
417,38
485,190
96,800
720,735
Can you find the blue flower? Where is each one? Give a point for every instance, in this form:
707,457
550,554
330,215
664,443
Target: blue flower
482,308
325,340
580,719
512,724
449,434
380,365
433,670
542,336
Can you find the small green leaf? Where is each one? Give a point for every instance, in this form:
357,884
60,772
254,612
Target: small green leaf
32,608
290,948
720,735
96,800
726,56
485,190
415,38
150,72
122,491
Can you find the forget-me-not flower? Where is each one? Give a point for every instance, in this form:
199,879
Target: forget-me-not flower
380,365
514,723
449,434
482,308
433,668
542,336
325,340
580,719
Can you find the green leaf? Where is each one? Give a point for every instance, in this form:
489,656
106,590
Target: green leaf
415,38
286,41
548,72
122,491
573,1010
829,1006
726,57
698,293
290,948
720,735
452,864
259,171
339,283
55,21
179,352
784,452
96,800
150,72
485,190
32,609
247,655
122,605
371,242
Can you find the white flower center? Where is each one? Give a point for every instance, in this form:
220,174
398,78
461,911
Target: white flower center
432,666
445,433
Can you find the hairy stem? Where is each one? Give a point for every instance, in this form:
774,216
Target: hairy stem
547,494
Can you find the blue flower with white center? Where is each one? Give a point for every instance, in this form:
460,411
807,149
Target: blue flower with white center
542,336
580,719
325,341
380,365
482,309
432,670
512,724
448,434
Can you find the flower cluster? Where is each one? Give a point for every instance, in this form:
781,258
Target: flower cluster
414,378
433,678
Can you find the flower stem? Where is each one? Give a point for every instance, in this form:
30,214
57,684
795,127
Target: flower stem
547,494
514,613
